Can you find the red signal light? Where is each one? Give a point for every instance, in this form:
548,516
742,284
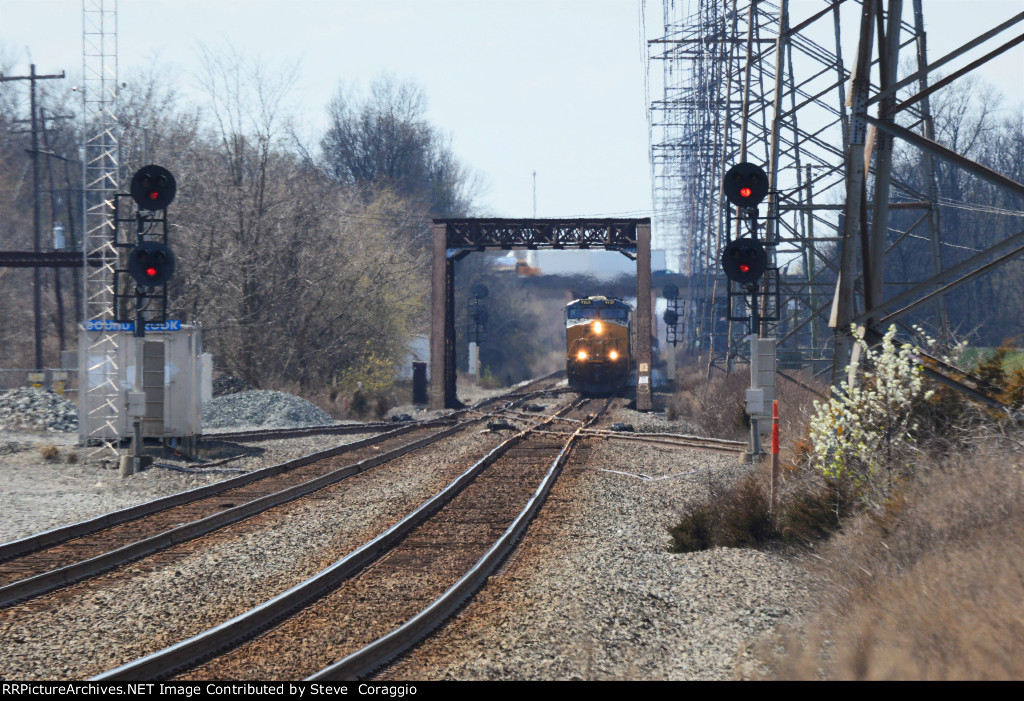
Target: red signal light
744,267
745,192
153,188
150,263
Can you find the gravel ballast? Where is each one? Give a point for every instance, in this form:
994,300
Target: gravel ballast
32,409
262,408
592,592
138,609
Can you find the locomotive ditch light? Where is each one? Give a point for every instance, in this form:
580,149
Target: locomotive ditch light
745,185
744,261
614,355
153,188
150,264
582,355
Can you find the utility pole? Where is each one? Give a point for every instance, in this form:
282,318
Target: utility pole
48,152
32,77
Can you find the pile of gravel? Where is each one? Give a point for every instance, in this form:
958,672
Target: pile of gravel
33,409
262,407
229,384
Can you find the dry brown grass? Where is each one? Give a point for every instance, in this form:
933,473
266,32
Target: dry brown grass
736,512
930,585
933,588
715,406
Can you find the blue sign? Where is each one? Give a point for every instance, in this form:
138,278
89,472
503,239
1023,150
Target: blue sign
101,325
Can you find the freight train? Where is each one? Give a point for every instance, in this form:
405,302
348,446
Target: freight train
599,344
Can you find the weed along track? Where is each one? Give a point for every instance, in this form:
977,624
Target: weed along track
388,594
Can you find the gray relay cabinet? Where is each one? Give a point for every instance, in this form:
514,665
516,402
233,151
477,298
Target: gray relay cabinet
177,377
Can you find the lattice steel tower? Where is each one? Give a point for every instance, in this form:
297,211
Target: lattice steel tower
745,81
99,386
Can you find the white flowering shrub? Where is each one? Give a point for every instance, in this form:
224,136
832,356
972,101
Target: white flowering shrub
861,431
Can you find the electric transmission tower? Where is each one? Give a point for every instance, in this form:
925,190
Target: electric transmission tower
751,81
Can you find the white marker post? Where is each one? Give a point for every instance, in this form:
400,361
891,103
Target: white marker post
474,359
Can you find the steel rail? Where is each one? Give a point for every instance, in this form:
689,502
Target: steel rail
45,539
189,652
61,534
54,579
62,576
379,652
677,439
266,434
299,431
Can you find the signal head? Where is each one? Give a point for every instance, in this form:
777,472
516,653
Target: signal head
153,188
670,317
744,261
150,264
745,185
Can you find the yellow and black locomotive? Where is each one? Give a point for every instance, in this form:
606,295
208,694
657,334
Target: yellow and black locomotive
599,345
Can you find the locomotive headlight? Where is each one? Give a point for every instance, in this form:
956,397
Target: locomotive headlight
598,328
614,355
582,355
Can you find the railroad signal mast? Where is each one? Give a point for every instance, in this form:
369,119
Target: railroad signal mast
672,330
150,264
745,261
150,261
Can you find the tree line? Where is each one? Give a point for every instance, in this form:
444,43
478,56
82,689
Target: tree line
304,258
972,119
304,263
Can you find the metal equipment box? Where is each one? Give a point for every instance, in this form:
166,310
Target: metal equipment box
176,379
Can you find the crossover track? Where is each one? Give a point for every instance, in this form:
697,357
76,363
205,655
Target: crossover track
387,595
53,559
525,392
673,439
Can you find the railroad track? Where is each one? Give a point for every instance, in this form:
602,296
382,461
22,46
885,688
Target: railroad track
676,439
528,390
385,596
54,559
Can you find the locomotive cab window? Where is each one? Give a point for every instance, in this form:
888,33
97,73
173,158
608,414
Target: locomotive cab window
582,313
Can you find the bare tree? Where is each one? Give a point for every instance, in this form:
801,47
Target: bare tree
384,139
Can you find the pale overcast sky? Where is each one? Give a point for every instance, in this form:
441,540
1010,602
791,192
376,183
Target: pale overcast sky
552,86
